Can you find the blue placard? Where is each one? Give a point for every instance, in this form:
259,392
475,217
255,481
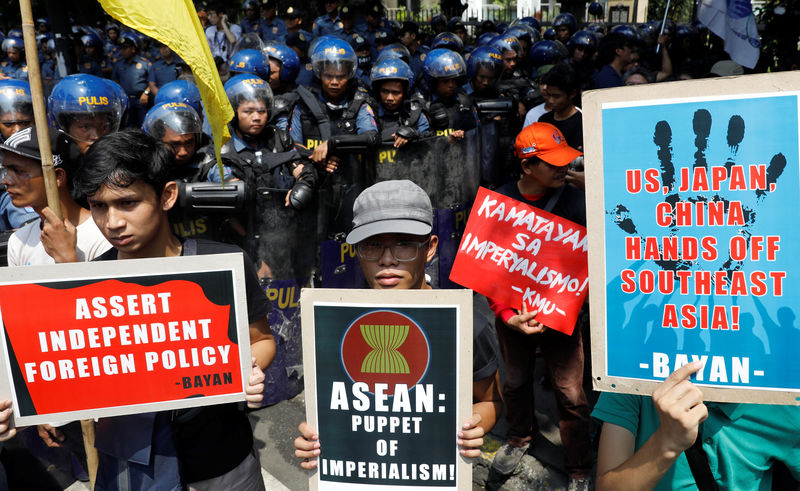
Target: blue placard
702,240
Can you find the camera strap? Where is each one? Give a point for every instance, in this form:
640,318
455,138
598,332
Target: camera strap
698,463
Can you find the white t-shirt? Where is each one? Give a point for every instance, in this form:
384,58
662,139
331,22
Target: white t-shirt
25,245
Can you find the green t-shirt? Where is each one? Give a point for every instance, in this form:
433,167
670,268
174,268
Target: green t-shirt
742,441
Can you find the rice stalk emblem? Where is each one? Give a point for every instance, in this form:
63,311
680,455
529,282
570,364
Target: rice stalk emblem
385,340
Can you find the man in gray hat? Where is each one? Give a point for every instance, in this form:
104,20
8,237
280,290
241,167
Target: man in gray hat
392,225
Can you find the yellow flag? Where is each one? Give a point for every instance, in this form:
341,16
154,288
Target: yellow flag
175,23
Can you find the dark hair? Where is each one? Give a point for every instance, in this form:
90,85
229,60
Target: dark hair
638,71
410,27
607,50
562,76
122,158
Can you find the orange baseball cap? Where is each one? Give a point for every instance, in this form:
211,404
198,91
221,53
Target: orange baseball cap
545,141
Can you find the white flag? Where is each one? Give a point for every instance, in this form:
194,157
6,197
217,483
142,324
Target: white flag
734,22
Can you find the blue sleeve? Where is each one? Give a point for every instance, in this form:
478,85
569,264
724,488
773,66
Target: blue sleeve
530,118
213,174
365,120
423,126
296,127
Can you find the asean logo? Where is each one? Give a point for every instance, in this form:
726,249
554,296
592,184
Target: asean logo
384,346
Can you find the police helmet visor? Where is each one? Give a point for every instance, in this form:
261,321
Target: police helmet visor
177,116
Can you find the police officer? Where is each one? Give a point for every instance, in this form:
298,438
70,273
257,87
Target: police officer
94,61
401,116
331,120
565,25
165,70
273,27
300,43
252,21
284,65
582,48
330,23
364,60
449,107
85,107
16,107
294,22
497,123
133,72
256,142
409,35
16,113
347,14
111,47
14,66
373,20
186,92
178,126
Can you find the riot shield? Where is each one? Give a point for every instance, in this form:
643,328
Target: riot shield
281,243
415,161
339,265
459,171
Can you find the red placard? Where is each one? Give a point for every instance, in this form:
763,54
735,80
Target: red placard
514,253
111,344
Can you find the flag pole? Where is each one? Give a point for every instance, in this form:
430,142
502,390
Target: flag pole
663,25
49,174
39,115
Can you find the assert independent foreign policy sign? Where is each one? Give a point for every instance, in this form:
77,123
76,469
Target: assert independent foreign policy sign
694,243
110,338
388,380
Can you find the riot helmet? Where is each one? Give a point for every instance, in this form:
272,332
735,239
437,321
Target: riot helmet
85,107
245,87
249,61
180,91
333,54
448,40
16,106
169,122
290,62
395,51
443,64
483,59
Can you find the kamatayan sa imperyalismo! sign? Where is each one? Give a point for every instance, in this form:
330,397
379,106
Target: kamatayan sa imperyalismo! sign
109,338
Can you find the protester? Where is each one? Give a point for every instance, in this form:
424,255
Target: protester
544,156
392,232
126,178
646,442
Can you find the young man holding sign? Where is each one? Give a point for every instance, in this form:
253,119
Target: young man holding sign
545,158
126,179
392,226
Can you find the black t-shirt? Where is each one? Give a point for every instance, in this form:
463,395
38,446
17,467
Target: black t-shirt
570,205
571,128
485,348
213,440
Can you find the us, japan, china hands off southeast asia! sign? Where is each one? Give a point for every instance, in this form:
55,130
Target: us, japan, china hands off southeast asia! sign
692,205
121,337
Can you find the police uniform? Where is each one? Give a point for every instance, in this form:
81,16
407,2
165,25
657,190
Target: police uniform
90,66
325,25
274,31
17,70
249,26
133,77
306,76
111,49
418,60
352,116
163,72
